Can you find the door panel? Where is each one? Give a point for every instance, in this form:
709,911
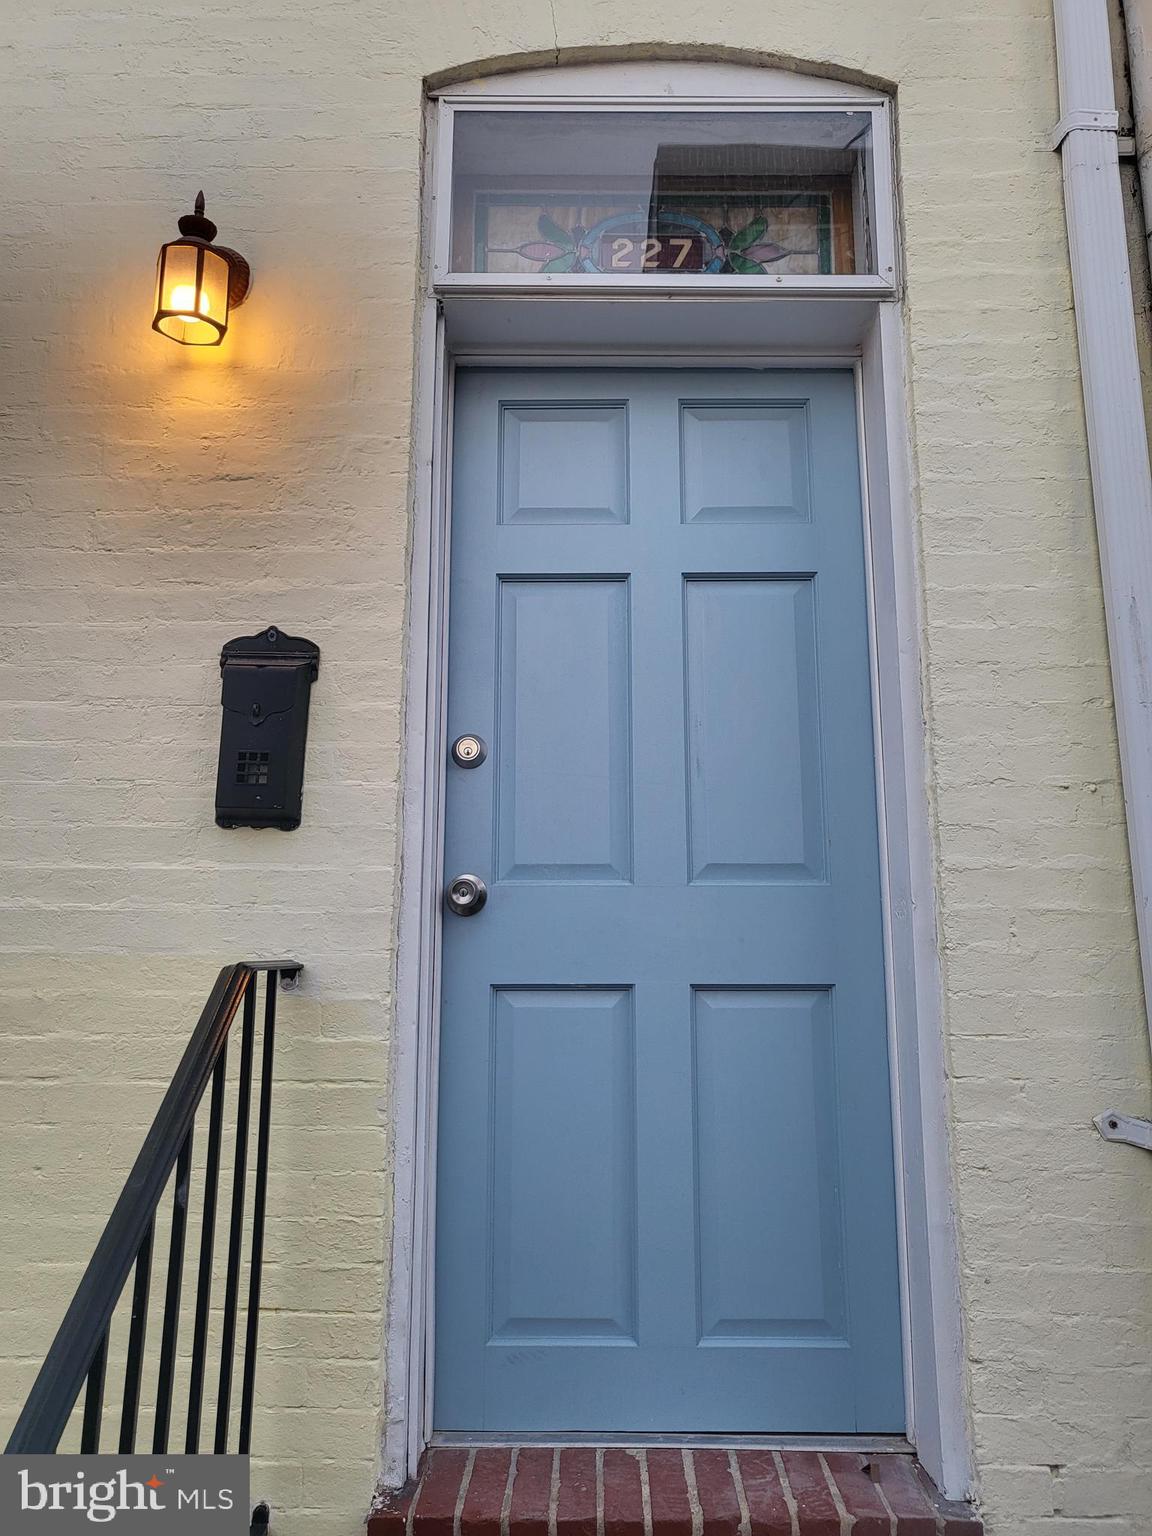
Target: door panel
763,1073
743,463
564,464
752,724
563,1113
564,806
665,1193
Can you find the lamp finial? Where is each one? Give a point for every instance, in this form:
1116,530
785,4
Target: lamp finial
195,223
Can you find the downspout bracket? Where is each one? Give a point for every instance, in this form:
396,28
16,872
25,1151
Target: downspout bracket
1099,122
1114,1126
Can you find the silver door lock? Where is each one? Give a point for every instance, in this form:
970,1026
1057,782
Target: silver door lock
468,751
465,895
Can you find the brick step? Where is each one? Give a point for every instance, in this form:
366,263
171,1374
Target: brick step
584,1491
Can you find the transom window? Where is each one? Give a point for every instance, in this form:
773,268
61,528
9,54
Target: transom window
540,193
718,192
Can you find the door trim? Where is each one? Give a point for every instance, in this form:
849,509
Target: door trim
929,1260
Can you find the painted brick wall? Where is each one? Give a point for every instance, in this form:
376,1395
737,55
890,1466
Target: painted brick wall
158,501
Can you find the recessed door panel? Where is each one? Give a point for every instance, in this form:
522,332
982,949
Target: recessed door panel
564,463
665,1196
563,763
753,729
769,1242
743,463
563,1165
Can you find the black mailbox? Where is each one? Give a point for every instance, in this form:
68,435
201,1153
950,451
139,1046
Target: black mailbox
267,681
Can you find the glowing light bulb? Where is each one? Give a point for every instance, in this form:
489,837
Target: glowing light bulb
184,300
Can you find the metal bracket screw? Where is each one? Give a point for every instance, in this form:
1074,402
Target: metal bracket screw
1114,1126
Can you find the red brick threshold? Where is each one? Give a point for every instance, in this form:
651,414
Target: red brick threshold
583,1491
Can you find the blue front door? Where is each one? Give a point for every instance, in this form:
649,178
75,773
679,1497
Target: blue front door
665,1188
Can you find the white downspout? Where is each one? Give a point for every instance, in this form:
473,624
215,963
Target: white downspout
1114,413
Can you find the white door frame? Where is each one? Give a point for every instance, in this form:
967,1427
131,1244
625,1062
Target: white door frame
873,345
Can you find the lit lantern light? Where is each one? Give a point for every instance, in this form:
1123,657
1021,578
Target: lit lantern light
198,283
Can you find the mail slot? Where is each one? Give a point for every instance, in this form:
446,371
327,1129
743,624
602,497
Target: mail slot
266,685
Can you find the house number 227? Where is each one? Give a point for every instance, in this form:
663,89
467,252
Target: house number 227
652,253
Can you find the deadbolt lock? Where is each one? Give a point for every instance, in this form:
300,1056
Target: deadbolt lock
468,751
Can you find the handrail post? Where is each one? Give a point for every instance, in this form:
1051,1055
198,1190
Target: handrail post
259,1206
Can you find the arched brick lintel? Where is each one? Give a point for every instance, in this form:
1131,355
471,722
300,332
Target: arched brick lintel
654,52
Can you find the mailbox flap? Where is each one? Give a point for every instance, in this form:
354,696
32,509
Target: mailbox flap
259,690
272,645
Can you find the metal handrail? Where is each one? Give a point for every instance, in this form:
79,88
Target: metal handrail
80,1349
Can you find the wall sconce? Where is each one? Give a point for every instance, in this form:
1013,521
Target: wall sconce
198,283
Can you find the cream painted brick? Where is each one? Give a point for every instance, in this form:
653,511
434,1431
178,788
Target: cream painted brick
324,1482
155,504
1059,1526
1027,1490
1102,1492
